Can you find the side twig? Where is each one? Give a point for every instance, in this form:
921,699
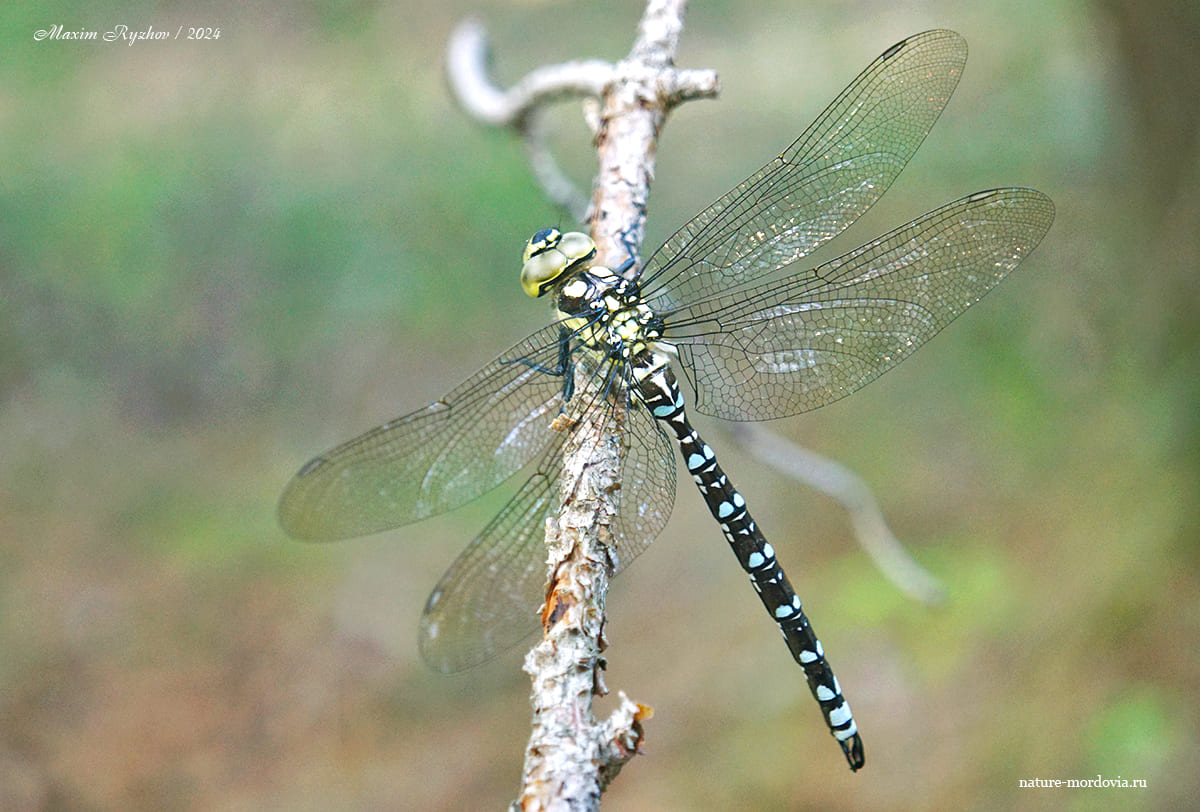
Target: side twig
839,482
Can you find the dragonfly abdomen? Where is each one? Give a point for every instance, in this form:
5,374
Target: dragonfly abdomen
659,391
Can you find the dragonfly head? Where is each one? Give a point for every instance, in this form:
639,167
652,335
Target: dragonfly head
551,255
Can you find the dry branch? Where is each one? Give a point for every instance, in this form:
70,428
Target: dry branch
571,756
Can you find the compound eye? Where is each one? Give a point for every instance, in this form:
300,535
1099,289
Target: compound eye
541,270
576,246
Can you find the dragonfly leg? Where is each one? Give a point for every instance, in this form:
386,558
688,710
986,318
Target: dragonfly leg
561,367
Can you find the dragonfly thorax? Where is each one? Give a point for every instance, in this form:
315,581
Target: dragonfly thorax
607,313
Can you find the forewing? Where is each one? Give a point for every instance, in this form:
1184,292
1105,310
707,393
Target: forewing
836,170
805,340
436,458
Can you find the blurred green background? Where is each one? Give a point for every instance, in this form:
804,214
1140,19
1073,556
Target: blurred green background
218,258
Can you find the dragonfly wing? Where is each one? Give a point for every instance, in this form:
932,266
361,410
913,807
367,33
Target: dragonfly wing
647,493
436,458
808,339
836,170
488,599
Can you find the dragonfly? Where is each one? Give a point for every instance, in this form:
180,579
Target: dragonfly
728,303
